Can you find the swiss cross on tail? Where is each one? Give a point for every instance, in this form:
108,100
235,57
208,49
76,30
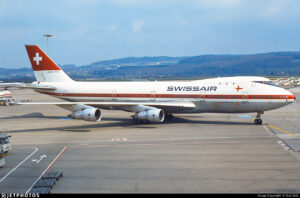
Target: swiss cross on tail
39,59
45,69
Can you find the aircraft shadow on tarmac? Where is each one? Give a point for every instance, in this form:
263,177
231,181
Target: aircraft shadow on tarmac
118,122
31,115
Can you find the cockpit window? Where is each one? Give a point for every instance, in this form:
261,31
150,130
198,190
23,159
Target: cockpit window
267,83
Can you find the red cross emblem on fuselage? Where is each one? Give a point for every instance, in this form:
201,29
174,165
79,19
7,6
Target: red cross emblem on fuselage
238,88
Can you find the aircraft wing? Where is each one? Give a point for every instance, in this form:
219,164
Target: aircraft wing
41,88
127,106
25,86
15,85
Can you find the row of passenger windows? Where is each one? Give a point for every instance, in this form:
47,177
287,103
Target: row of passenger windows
249,97
268,97
202,96
222,97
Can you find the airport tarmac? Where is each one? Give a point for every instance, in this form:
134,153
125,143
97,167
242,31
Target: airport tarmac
192,153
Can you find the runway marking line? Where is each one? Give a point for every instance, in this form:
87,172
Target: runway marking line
281,143
35,150
118,139
284,131
48,168
167,143
85,143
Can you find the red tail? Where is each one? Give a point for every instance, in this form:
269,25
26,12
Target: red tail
39,59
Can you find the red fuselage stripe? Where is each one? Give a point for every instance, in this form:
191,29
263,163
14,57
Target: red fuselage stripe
115,95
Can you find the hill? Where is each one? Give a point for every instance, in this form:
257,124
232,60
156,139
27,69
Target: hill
264,64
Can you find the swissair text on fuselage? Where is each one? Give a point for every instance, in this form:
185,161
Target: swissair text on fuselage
191,88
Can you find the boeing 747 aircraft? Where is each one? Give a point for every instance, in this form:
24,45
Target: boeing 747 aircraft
154,101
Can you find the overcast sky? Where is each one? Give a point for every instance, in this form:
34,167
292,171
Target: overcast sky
87,31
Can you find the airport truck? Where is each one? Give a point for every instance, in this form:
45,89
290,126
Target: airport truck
2,161
5,145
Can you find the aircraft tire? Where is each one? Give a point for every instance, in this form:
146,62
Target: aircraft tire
258,121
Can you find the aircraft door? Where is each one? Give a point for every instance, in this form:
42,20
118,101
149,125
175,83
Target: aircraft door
153,93
202,95
113,95
245,97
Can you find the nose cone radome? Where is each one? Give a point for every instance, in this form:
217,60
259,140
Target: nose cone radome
293,97
290,96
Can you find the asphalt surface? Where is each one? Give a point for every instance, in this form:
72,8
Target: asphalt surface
192,153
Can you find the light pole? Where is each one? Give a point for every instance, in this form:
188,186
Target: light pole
47,37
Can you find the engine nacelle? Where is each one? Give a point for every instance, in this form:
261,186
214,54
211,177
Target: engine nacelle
89,114
152,115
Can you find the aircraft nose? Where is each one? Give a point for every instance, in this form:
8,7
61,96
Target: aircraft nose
291,97
294,97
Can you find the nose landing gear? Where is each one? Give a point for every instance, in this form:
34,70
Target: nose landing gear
258,120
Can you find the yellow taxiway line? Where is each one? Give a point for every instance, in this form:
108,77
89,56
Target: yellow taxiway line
274,127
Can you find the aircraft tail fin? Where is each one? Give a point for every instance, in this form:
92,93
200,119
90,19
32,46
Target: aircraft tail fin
45,69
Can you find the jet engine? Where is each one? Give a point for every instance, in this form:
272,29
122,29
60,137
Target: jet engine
152,115
89,114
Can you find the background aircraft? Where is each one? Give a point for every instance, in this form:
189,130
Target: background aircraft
13,85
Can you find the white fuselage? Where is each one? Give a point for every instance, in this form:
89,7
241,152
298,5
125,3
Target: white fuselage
223,95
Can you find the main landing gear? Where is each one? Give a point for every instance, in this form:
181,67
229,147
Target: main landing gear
169,116
258,120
